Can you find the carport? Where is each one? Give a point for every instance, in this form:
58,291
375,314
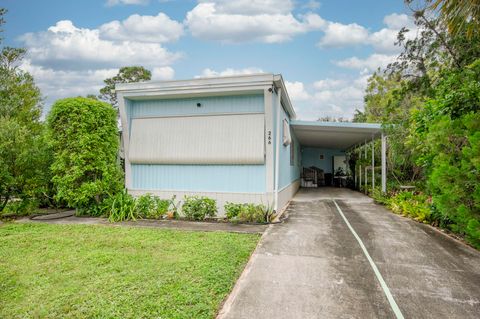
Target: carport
321,141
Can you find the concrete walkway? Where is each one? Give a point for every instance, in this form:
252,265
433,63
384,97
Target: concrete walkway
312,266
66,218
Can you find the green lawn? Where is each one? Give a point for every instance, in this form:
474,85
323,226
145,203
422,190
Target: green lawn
80,271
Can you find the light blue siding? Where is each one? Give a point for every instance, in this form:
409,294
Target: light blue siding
288,173
311,157
188,106
206,178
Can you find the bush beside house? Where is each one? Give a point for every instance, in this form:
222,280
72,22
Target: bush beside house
83,136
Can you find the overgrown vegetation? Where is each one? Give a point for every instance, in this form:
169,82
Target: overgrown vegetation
431,95
248,212
198,208
80,271
123,206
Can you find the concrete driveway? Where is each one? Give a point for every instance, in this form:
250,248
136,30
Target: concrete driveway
339,255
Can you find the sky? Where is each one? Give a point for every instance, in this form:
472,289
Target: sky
325,50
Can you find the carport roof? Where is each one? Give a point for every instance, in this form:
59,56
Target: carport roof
336,135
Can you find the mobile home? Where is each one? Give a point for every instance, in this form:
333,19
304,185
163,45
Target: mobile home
234,139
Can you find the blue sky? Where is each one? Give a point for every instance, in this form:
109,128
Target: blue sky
325,50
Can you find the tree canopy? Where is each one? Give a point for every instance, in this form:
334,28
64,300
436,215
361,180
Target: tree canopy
126,74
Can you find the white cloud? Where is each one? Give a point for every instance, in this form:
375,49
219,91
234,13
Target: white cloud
383,40
398,21
56,84
159,28
251,7
206,73
65,46
328,84
227,21
296,91
163,73
66,60
337,97
339,35
371,63
111,3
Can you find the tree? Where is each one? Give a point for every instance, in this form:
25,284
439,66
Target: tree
21,157
459,15
83,135
126,74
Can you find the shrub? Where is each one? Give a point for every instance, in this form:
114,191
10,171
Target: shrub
232,210
197,208
248,212
146,205
122,206
149,206
252,213
83,136
417,206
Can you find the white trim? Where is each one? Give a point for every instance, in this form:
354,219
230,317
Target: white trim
384,163
287,193
269,142
126,138
235,80
277,145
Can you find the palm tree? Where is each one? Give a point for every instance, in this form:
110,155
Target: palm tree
459,15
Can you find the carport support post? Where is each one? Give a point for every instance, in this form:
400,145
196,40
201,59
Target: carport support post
384,163
366,171
373,164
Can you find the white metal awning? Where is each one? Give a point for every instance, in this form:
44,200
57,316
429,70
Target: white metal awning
336,135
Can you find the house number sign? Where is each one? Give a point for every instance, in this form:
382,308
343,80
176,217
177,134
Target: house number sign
269,137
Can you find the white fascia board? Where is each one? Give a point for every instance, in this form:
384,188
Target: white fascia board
278,80
197,84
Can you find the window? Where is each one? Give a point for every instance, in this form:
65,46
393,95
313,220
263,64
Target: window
292,153
322,156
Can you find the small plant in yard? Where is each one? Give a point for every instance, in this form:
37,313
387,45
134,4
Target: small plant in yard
248,212
197,208
232,210
122,206
153,207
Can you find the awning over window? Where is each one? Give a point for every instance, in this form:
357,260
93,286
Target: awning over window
223,139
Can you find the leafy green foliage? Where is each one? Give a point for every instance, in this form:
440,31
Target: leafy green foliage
123,207
248,212
83,135
415,205
126,74
23,159
197,208
153,207
431,95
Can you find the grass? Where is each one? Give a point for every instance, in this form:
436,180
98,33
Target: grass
83,271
